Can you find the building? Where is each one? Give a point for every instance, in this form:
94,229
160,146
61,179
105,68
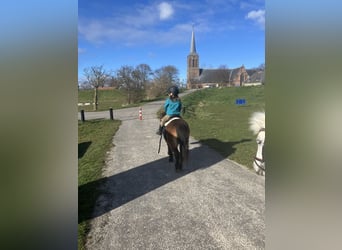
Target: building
202,78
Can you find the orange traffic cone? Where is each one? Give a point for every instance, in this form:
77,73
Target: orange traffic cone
140,113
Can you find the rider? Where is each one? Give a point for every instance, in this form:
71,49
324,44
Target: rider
172,107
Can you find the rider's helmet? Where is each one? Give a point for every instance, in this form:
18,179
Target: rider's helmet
174,90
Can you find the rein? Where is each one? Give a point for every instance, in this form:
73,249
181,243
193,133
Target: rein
161,136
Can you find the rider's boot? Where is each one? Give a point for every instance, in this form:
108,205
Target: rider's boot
160,130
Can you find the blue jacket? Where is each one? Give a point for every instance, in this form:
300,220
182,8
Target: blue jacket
172,107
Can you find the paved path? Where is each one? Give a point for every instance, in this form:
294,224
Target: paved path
212,204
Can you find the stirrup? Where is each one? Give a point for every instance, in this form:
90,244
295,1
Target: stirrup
159,131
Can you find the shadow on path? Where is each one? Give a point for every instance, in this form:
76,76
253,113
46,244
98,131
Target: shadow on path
82,148
126,186
224,148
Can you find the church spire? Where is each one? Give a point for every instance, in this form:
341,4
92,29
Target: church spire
193,70
193,44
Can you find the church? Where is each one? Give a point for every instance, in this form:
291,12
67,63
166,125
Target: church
204,78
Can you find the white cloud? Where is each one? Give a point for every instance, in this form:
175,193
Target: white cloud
136,26
81,50
140,25
258,16
93,30
165,10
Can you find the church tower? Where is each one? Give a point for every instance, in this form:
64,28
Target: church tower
192,63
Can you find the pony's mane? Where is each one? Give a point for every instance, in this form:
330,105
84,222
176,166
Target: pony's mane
257,121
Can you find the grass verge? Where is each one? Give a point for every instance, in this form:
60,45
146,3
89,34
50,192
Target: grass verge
107,98
94,140
216,120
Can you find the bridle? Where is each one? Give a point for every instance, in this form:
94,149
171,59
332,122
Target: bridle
260,162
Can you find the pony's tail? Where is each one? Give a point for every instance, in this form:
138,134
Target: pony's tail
183,138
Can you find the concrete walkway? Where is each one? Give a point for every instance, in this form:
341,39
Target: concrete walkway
212,204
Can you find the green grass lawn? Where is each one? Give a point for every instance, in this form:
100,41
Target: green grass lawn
106,99
94,140
217,121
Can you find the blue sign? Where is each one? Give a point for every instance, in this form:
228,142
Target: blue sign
240,101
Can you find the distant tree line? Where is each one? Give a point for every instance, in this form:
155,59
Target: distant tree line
138,83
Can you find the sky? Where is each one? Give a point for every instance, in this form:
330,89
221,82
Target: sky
119,33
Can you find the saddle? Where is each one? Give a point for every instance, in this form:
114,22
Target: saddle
171,119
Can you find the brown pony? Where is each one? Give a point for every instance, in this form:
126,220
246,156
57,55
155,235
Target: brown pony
176,133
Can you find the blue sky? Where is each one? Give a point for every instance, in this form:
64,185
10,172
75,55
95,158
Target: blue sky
158,33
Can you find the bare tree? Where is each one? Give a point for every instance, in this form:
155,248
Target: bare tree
134,81
125,81
164,78
261,66
142,73
223,66
172,74
96,76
